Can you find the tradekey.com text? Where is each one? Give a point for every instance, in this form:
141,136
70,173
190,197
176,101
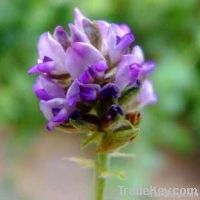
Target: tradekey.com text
156,191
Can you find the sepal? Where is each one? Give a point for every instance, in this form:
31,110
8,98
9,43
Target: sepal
83,125
128,94
91,138
119,136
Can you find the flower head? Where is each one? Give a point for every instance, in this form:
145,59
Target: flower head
88,70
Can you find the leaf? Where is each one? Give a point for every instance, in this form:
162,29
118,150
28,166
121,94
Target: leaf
83,162
118,174
122,155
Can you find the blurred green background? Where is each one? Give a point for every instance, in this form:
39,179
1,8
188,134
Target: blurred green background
169,32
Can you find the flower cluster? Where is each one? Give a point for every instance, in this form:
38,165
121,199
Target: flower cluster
89,72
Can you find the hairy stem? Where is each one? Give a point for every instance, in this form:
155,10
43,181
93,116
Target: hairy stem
101,166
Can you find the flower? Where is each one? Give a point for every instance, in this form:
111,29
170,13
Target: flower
88,70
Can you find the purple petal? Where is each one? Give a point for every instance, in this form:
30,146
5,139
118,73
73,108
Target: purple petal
46,67
88,92
103,27
42,94
108,91
118,29
98,69
122,29
115,39
78,17
137,55
79,91
147,94
49,47
147,68
99,66
86,77
46,59
46,89
56,111
117,45
48,106
134,72
61,36
95,71
127,74
73,94
77,35
80,57
125,41
90,30
62,116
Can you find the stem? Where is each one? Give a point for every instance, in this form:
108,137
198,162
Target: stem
101,166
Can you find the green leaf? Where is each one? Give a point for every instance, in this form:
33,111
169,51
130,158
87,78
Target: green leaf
118,174
122,155
83,162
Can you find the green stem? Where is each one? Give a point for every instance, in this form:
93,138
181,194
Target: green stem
101,166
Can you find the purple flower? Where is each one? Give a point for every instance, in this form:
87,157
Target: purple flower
92,64
133,67
56,111
50,48
115,40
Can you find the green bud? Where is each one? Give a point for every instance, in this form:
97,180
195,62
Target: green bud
112,141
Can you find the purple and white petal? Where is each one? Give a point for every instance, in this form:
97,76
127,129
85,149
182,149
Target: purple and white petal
147,68
80,56
94,72
146,95
128,73
86,77
62,115
103,27
138,56
47,107
56,111
45,67
62,37
88,92
73,94
124,43
77,35
78,18
49,47
122,29
46,89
